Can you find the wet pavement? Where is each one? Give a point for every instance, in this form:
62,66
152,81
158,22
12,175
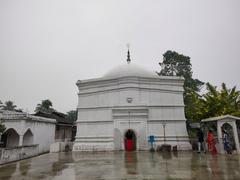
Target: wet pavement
124,165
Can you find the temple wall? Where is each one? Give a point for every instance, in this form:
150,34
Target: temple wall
175,133
140,98
94,136
105,114
95,114
166,113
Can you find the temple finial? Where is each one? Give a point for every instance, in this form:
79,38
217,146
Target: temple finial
128,55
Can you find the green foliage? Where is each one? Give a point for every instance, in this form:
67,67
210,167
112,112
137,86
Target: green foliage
214,103
72,115
1,104
2,127
175,64
8,105
192,133
45,106
193,109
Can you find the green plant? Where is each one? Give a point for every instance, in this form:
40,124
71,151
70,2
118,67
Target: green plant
2,127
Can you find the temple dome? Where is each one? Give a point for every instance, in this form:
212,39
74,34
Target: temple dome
129,70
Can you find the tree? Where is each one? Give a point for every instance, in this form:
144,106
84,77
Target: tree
194,109
2,128
9,105
45,106
222,102
72,115
175,64
1,104
215,103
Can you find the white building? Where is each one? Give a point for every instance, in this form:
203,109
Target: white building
23,129
130,102
228,123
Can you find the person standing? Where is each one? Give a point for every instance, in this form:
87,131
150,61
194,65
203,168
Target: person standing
201,144
226,142
211,143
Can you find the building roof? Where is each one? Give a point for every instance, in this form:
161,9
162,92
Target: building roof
12,115
218,118
60,117
130,69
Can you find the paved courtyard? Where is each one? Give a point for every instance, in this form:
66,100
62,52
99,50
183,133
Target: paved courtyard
124,165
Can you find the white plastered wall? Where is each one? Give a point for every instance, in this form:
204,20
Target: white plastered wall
43,132
163,101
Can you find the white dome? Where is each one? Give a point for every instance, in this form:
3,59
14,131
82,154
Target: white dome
130,69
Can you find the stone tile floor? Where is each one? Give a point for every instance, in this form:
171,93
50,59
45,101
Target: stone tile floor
124,165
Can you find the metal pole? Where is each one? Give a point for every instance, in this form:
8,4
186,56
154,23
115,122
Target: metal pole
128,119
164,133
164,137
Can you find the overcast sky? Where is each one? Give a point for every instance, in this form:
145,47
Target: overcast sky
46,46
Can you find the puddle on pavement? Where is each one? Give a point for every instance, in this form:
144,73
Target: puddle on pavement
124,165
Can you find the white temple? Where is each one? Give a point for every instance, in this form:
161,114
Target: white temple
130,102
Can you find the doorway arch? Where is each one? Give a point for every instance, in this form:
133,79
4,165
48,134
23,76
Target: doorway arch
229,130
130,140
10,138
28,138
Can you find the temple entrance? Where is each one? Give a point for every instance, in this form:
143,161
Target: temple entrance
130,140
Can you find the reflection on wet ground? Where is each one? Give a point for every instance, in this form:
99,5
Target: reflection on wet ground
124,165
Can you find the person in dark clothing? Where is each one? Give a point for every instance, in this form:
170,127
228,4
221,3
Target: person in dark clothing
201,144
226,142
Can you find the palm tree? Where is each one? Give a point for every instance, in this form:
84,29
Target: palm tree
45,106
9,105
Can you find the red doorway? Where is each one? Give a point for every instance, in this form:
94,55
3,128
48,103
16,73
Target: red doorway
130,140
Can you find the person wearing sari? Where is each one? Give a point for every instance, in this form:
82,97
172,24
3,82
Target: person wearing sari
211,143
